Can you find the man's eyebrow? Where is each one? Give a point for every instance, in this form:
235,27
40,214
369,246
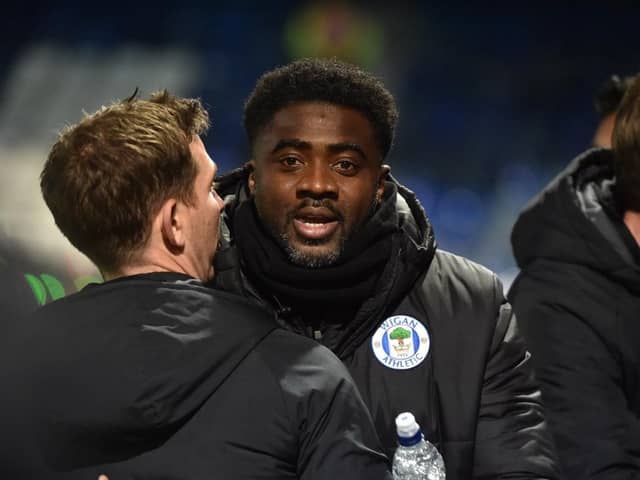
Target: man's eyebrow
291,143
345,146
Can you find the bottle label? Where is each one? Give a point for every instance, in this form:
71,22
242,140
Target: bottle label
401,342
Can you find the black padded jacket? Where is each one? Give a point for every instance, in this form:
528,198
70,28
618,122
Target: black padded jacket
578,300
438,339
158,376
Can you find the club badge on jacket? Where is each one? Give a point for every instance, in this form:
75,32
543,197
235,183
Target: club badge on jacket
401,342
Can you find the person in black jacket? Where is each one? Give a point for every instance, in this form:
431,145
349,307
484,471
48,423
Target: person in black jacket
578,299
151,374
318,230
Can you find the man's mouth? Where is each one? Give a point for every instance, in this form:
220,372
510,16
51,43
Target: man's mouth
315,225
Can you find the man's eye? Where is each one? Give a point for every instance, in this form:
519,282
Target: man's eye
345,165
214,186
290,161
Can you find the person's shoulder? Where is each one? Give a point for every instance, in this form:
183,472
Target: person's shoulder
558,286
290,355
190,293
458,263
456,271
459,293
154,300
283,343
230,300
61,309
555,278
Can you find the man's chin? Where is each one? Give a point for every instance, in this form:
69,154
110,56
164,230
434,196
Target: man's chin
313,256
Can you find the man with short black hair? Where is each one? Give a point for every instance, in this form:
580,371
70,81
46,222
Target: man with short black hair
320,232
578,300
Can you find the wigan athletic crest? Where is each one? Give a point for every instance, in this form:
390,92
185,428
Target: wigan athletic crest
401,342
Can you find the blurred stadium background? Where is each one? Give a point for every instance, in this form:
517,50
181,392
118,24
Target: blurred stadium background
494,100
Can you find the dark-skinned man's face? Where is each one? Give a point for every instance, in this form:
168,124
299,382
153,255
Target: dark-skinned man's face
317,175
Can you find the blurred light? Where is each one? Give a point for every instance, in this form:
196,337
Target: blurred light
83,281
54,286
37,288
45,288
335,29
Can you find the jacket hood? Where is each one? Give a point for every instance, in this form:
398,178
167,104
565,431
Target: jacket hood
131,360
413,247
575,220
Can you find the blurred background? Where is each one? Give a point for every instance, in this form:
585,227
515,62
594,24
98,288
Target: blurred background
494,100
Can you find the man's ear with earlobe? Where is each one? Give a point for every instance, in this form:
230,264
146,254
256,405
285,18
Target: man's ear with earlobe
250,166
385,170
172,225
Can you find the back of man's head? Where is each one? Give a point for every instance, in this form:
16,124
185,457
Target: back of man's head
322,80
107,175
609,95
606,102
626,148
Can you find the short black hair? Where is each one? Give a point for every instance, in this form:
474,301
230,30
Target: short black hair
609,95
322,80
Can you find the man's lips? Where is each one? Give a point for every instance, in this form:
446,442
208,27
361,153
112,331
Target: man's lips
314,230
315,223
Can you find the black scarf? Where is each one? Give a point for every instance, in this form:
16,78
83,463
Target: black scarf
343,285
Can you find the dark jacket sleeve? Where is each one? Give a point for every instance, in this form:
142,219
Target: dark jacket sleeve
512,438
337,436
581,381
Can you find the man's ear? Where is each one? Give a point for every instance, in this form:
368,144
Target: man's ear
251,166
172,225
385,170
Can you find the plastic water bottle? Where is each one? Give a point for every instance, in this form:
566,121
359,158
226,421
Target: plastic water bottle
415,457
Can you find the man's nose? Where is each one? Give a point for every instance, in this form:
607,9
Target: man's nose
318,181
